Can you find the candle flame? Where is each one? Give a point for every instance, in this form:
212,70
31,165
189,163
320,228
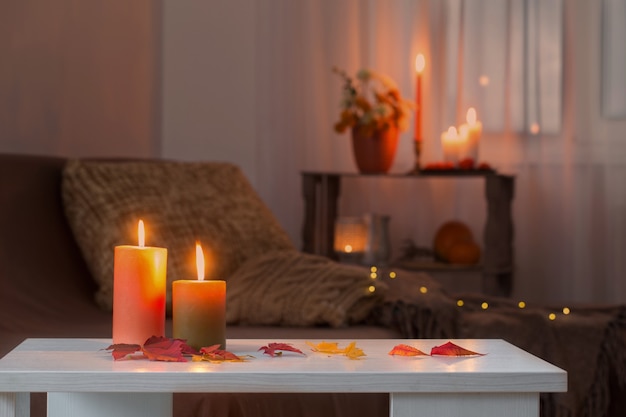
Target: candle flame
420,63
199,262
471,116
452,131
141,234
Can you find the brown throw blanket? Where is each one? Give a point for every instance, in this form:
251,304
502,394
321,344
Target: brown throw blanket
589,343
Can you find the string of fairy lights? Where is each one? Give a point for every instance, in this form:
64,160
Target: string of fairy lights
375,273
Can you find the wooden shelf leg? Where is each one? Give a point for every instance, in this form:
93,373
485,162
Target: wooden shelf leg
320,193
309,193
498,254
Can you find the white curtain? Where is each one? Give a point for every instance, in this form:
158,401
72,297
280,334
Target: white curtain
614,58
503,58
570,203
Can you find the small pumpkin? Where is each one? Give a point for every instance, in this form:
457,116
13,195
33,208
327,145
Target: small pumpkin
448,233
464,253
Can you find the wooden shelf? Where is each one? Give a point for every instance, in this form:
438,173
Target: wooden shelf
321,192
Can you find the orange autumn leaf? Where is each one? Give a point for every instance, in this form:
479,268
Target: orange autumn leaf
406,350
277,349
351,351
450,349
215,354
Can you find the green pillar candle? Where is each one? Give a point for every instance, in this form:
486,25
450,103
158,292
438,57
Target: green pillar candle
199,312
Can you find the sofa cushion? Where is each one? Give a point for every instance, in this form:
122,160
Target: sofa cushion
180,202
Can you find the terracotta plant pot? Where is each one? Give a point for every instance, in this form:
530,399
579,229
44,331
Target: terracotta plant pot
374,153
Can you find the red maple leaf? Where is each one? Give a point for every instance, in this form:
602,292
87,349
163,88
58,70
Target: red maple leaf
156,348
122,350
215,353
406,350
160,348
277,349
450,349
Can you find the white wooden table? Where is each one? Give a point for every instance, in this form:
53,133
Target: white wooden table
83,380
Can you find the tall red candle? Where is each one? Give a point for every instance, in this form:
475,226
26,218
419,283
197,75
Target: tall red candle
420,63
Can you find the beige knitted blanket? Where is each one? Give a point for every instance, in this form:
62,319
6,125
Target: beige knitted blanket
291,288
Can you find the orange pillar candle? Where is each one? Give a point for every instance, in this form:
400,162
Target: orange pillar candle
199,309
139,277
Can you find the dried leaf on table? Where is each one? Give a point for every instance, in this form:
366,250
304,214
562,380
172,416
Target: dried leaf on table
351,351
215,354
450,349
406,350
122,350
159,348
326,347
156,348
277,349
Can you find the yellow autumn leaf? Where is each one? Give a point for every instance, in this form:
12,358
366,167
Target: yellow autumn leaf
351,351
325,347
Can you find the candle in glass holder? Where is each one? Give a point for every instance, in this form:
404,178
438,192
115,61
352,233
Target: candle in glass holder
139,282
199,309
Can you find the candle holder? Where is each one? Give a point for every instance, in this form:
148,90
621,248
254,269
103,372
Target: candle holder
417,144
350,239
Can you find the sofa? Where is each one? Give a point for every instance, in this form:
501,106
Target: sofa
62,217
